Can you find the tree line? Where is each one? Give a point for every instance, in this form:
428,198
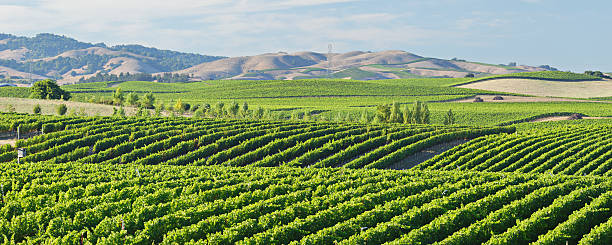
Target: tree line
123,77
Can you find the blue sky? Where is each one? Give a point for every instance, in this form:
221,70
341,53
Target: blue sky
570,35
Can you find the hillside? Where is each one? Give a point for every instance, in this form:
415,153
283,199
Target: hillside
102,180
391,64
69,60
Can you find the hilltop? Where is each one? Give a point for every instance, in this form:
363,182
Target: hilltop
69,60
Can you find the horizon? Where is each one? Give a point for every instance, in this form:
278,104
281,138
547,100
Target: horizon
474,30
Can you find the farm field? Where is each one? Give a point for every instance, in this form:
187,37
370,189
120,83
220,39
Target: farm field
338,99
178,180
136,204
24,105
182,141
577,89
191,180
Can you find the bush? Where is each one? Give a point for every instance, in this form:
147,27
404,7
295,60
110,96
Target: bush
61,109
37,109
575,117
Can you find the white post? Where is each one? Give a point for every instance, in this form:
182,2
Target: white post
18,127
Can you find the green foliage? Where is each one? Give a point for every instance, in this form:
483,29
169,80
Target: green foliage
61,109
132,99
10,108
596,74
48,89
36,109
179,106
543,75
383,113
176,180
396,115
148,100
15,92
118,97
449,118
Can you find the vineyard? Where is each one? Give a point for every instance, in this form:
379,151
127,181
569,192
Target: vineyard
160,180
541,75
182,141
576,150
71,203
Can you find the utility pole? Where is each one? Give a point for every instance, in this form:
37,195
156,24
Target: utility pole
329,59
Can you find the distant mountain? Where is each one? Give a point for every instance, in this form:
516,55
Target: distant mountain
359,65
63,58
68,60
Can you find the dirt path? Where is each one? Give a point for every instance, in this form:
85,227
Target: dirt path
8,141
425,155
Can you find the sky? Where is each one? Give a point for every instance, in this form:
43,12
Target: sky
569,35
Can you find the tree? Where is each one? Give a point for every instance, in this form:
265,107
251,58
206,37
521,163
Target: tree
118,97
244,111
121,112
206,107
233,109
365,118
259,113
407,115
178,106
382,113
37,109
417,113
425,119
219,110
132,99
186,106
200,112
148,101
449,118
61,109
396,114
48,89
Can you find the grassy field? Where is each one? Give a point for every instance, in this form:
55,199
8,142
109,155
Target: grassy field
49,107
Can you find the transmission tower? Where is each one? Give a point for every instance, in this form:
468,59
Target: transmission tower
330,48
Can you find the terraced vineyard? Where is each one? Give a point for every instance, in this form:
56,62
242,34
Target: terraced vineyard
134,204
182,141
575,150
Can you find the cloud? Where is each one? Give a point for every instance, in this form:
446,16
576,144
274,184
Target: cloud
218,27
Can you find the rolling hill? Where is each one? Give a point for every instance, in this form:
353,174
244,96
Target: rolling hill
68,60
